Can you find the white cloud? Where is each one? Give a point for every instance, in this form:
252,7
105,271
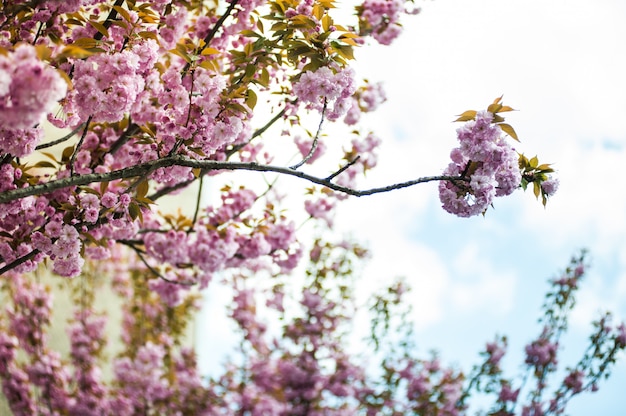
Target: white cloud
477,286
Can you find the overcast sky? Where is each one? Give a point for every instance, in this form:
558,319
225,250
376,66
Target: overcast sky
562,65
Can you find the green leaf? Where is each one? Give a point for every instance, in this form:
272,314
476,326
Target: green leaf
536,188
250,34
133,211
533,162
250,71
264,78
344,51
251,99
508,130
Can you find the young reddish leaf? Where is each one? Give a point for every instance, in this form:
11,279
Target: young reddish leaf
86,43
494,108
209,51
67,153
142,189
133,210
146,34
327,22
123,12
467,116
508,130
77,52
100,28
43,52
50,155
44,164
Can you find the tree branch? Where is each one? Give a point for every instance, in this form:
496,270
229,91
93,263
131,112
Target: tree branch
314,144
257,133
209,37
19,260
145,169
80,143
62,139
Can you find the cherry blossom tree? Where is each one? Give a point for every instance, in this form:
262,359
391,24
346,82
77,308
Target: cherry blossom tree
155,97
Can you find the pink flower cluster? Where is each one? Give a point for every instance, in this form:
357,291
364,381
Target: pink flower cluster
487,164
29,89
325,87
367,98
142,377
219,241
380,19
541,353
107,85
550,186
365,150
62,243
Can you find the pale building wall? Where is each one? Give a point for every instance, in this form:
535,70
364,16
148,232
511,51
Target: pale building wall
105,299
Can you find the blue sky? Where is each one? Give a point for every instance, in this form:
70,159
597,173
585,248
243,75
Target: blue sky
562,65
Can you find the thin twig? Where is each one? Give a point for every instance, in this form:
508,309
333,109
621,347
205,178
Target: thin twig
62,139
80,143
314,144
197,210
156,272
343,168
209,37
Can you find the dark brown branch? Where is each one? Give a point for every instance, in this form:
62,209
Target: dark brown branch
109,20
209,37
80,143
18,261
121,141
145,169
